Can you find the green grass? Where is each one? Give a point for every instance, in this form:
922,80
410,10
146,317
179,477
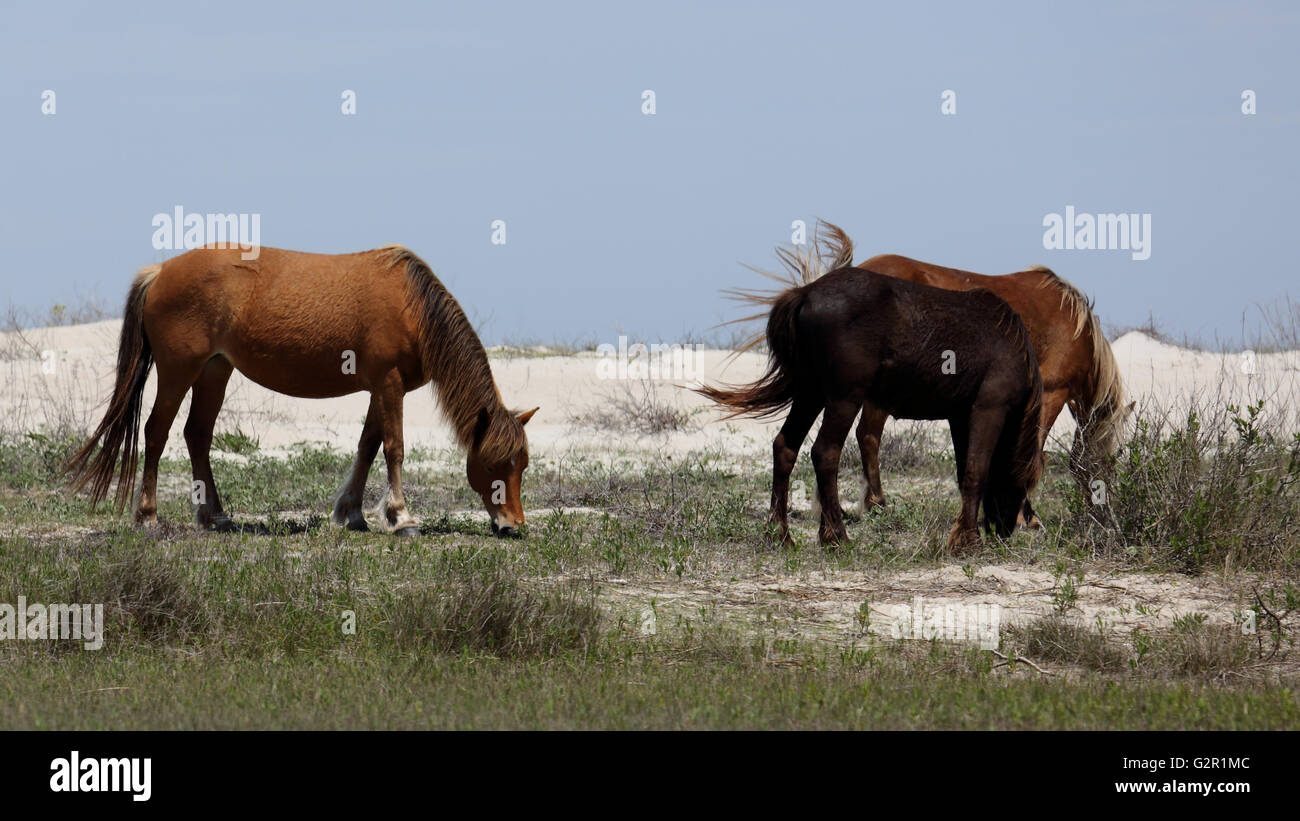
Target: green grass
662,687
456,629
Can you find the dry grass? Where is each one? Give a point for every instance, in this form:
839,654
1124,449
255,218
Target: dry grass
495,614
1058,638
639,406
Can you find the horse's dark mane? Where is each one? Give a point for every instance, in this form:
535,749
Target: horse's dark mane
454,358
1008,322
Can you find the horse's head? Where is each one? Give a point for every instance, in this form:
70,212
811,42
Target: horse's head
497,476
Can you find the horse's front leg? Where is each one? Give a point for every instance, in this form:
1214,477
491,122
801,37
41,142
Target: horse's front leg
785,453
393,516
974,444
870,427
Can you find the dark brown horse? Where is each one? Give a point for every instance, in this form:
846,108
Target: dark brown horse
307,325
1074,358
849,337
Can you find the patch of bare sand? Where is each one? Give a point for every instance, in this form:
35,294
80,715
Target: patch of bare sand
829,605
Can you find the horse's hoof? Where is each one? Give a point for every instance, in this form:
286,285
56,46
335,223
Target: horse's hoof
222,524
407,532
832,541
359,526
962,541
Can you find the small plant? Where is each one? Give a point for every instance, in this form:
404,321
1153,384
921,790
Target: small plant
863,617
1066,593
236,441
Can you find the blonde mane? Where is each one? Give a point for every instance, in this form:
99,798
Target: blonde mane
1104,419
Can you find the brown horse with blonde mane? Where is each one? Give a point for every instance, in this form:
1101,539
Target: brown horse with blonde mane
307,325
838,340
1074,358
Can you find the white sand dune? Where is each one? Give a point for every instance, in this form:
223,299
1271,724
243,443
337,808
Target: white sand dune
82,360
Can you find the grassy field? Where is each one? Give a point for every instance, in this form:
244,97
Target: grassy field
293,623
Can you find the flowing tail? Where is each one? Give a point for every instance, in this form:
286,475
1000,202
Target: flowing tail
776,389
94,464
1027,464
1018,458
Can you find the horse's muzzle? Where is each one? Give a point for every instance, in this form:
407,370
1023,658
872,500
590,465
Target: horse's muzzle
507,532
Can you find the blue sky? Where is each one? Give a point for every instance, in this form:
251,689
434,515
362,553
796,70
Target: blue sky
621,222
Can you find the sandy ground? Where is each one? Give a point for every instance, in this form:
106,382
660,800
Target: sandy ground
568,387
830,605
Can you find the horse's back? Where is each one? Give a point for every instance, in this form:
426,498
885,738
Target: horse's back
920,351
287,319
1052,310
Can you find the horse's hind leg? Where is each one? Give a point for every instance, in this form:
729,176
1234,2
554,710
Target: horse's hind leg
173,381
347,505
785,452
205,403
870,426
836,422
393,516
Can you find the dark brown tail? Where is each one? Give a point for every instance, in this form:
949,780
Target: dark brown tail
776,389
1018,460
97,460
1028,459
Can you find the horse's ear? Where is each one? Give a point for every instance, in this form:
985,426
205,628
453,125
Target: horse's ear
481,427
526,415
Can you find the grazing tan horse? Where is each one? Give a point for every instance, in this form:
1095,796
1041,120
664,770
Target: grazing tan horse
308,325
1074,358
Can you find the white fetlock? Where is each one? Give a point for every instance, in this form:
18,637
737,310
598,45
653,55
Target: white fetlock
392,519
